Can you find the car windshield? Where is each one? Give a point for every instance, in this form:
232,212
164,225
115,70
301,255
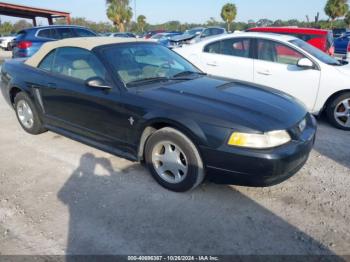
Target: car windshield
317,53
139,63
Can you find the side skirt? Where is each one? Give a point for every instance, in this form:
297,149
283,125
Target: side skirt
89,142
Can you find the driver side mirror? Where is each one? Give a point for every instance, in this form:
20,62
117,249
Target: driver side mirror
97,82
305,63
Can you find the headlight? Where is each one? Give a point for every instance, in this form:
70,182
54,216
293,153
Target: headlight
265,140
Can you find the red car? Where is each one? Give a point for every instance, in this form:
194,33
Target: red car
322,39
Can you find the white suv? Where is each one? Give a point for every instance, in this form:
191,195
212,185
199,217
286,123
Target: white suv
5,42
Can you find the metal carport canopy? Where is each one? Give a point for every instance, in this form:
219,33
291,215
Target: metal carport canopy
29,12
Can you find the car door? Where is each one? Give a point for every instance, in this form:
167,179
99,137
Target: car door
230,58
276,66
70,104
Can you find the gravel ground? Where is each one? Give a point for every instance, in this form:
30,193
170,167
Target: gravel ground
58,196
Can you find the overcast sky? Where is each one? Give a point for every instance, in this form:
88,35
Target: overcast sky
199,11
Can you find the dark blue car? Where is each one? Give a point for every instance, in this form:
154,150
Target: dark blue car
341,44
28,41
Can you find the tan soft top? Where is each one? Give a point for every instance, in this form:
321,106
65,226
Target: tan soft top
83,42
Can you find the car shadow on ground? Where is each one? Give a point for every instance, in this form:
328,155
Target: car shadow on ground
126,212
332,142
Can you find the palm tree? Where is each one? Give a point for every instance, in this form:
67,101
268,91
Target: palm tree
335,9
228,14
119,12
141,22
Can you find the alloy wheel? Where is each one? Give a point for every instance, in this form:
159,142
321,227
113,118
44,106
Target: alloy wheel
342,113
170,162
25,114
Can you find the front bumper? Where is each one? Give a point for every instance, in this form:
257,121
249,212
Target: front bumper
260,168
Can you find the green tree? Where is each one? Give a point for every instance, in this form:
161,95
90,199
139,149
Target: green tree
6,28
293,22
264,22
20,25
119,12
228,14
347,19
335,9
141,22
278,22
212,22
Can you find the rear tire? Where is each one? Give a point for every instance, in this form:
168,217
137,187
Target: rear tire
338,111
173,160
8,48
27,115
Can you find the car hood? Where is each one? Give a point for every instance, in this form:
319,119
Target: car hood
183,37
229,104
7,38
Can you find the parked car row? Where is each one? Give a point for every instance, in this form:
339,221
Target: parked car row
195,35
174,39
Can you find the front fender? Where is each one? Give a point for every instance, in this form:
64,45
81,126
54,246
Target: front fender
184,124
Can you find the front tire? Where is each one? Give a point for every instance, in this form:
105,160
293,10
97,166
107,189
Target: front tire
174,160
27,114
338,111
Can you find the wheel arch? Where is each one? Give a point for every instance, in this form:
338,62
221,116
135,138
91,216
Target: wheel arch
332,97
14,90
191,130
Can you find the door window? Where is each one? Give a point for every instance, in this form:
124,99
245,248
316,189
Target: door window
205,33
46,63
83,32
236,47
45,33
65,32
277,52
78,63
213,48
48,33
216,31
233,47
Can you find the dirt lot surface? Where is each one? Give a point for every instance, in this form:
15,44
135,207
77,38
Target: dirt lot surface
58,196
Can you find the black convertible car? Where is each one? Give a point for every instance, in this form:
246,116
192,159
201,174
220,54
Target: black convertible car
143,102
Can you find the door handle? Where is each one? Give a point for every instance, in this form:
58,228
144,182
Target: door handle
212,64
264,72
52,85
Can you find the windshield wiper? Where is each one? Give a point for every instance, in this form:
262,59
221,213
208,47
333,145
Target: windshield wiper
336,64
179,76
147,80
185,73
